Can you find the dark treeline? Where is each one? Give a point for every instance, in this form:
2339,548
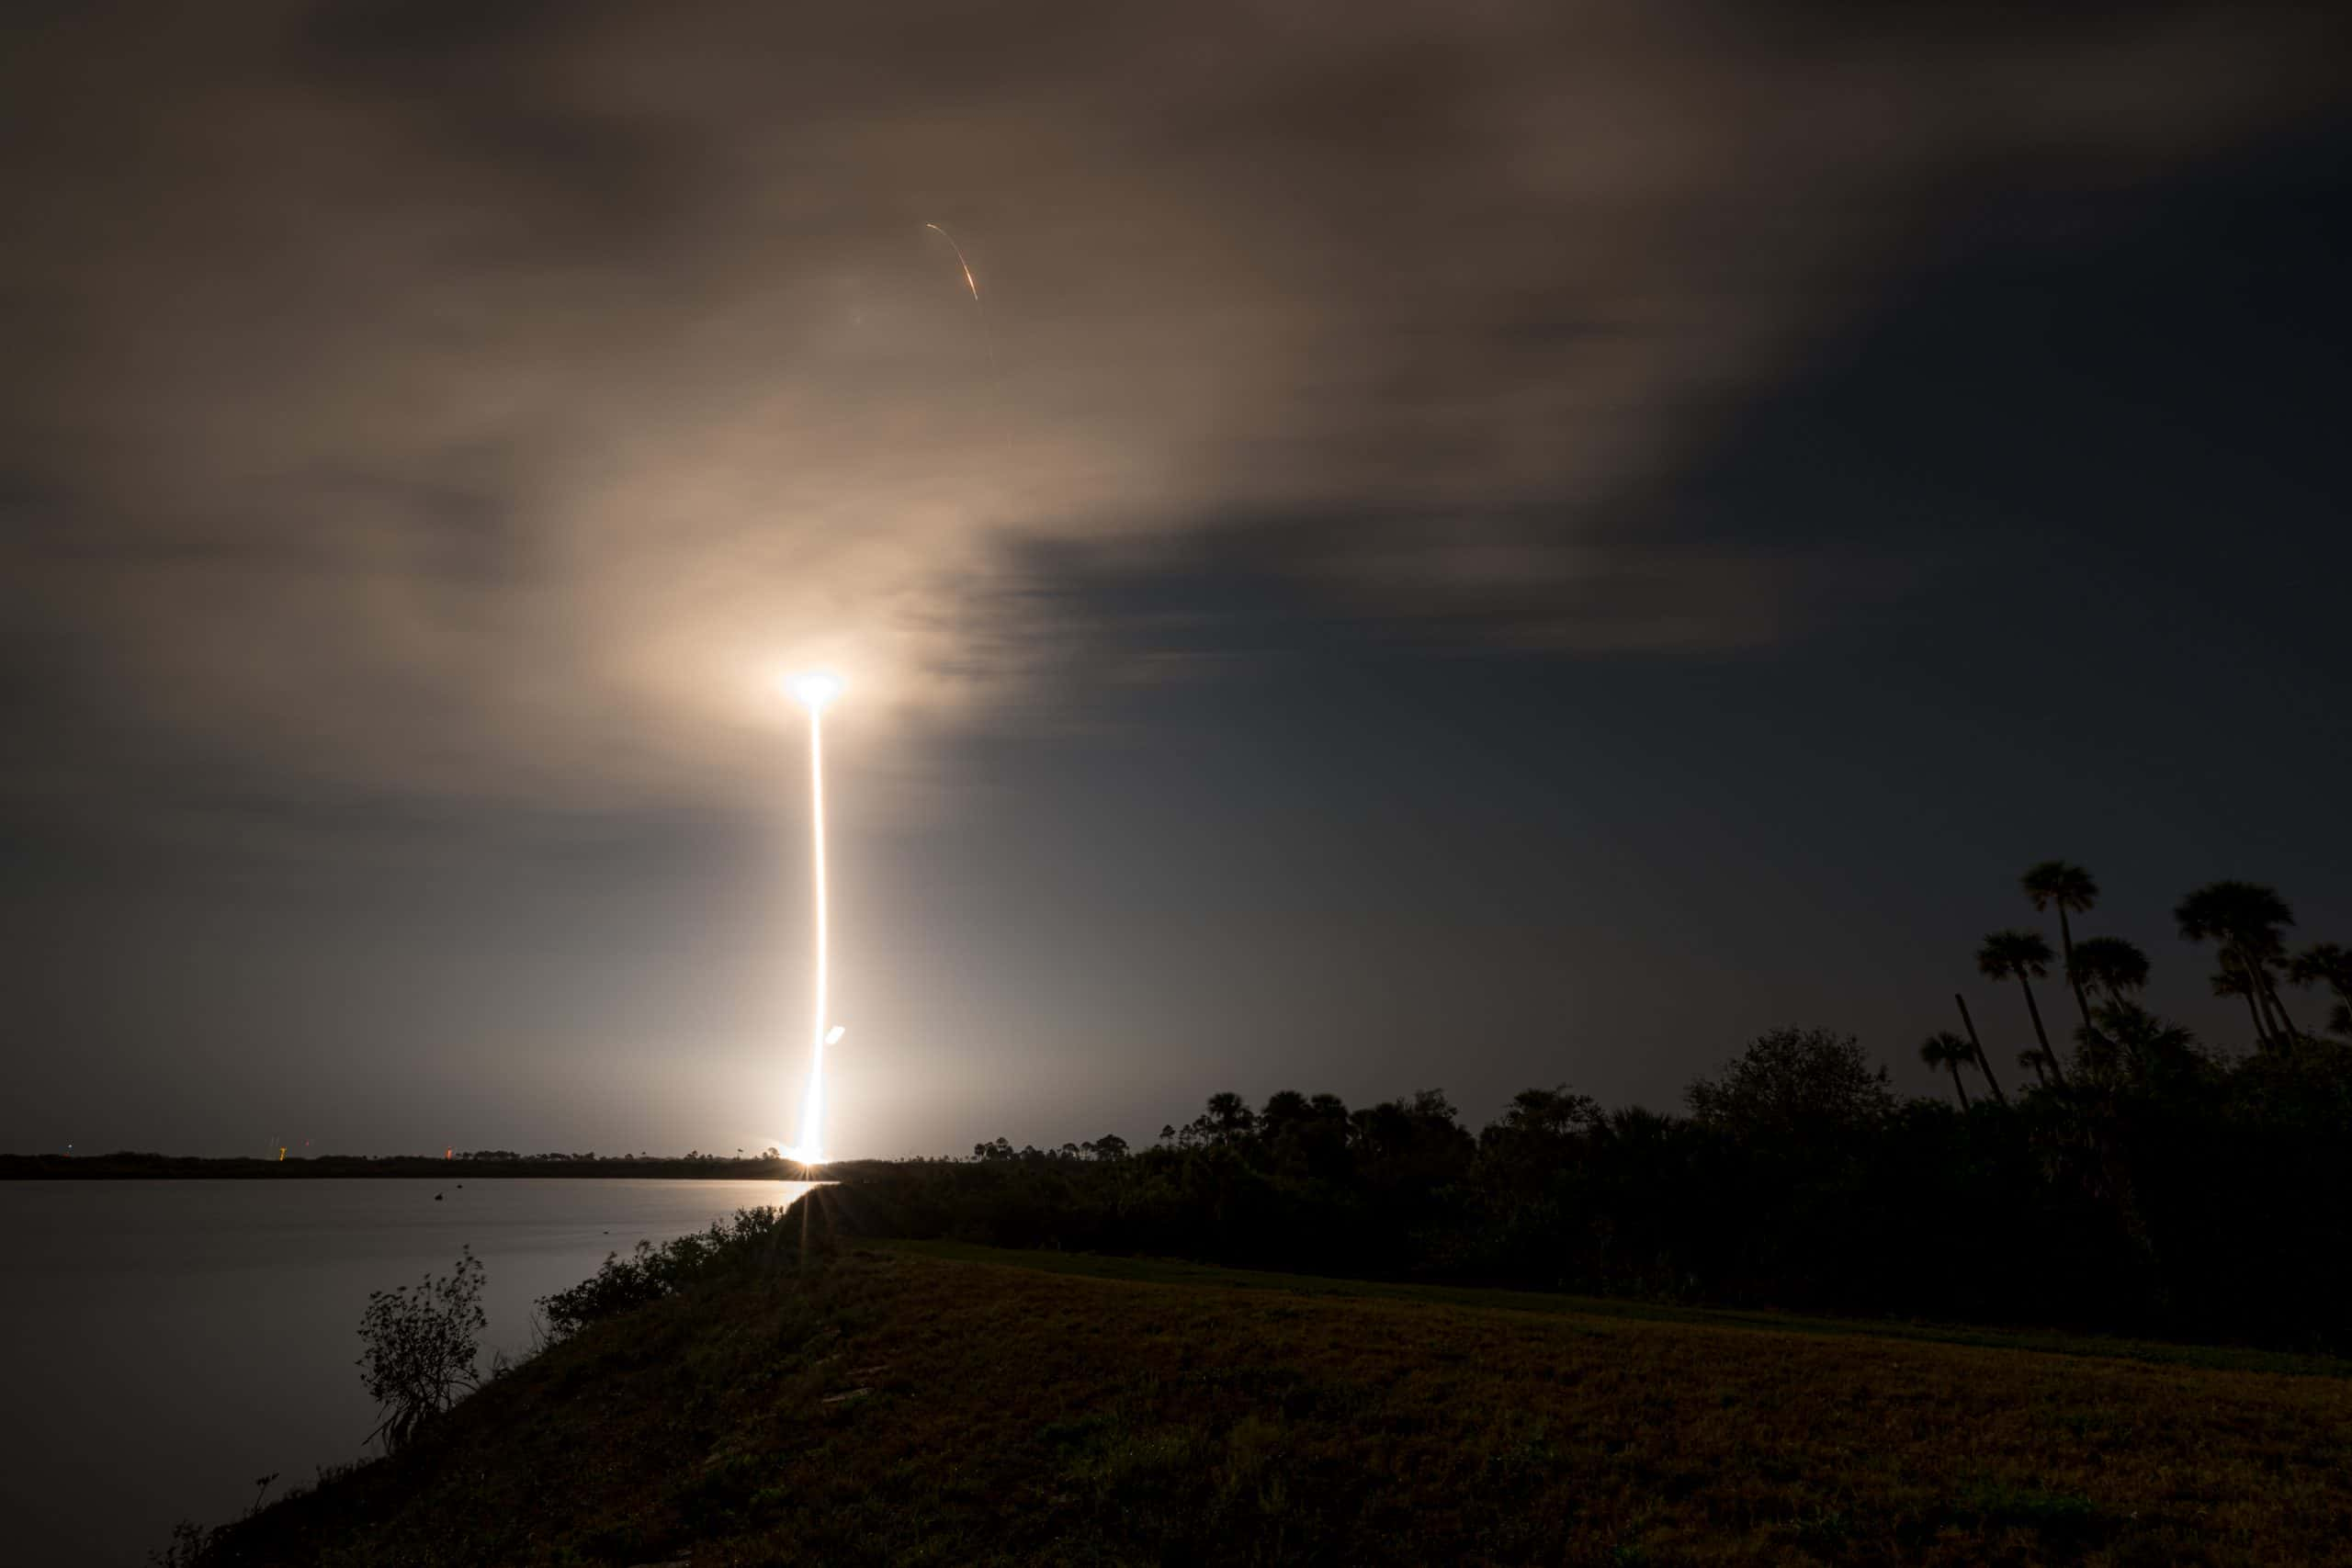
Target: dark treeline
2127,1176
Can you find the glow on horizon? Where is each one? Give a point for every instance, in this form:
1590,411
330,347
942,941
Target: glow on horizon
815,690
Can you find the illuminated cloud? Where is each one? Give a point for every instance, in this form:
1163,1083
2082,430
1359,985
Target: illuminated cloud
485,403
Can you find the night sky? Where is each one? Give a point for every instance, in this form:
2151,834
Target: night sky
1460,546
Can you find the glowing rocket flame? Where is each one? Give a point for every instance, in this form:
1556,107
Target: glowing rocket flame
816,690
968,281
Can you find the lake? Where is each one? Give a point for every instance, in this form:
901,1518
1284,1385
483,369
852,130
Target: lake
169,1342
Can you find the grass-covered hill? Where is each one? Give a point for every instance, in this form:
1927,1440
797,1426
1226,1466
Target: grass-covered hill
899,1402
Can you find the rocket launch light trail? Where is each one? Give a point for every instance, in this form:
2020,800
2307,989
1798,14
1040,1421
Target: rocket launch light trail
815,692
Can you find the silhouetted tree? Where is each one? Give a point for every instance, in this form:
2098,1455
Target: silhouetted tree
1542,1133
1551,1113
2227,981
1226,1118
2108,964
1306,1139
2243,921
2026,956
1286,1108
2327,963
1793,1080
1406,1149
418,1350
2151,1053
1948,1051
2070,888
1983,1064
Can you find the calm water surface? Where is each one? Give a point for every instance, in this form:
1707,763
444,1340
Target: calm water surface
167,1342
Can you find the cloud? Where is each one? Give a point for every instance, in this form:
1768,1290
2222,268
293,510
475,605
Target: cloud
459,400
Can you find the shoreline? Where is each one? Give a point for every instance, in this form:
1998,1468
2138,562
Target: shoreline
414,1167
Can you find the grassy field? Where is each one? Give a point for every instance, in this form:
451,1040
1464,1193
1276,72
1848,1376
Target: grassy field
915,1405
1169,1272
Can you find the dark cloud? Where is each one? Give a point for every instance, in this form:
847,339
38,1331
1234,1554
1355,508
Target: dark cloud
482,401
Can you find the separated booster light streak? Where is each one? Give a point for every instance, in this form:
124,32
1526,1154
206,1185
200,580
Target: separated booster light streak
968,281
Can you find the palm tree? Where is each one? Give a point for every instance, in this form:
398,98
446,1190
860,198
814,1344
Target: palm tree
2243,920
1948,1051
1228,1118
2107,964
2024,954
2230,981
1984,1062
2070,887
2327,963
2269,948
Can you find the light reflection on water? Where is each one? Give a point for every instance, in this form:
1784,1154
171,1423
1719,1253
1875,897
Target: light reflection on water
167,1342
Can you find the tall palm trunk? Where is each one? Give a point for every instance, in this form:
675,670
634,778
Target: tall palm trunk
2267,1032
1960,1088
2066,946
2269,1017
1984,1062
2040,1034
2270,1027
2261,1035
2287,1029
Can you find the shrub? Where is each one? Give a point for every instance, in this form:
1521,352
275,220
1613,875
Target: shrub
419,1350
624,1284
